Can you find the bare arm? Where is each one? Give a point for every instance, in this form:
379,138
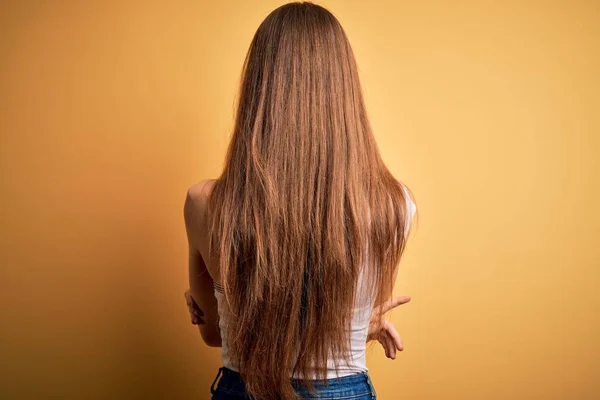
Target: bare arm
201,283
380,329
411,210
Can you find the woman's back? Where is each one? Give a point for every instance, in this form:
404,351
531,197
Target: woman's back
304,228
339,367
361,313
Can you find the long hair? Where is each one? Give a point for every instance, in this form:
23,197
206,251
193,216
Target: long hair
303,203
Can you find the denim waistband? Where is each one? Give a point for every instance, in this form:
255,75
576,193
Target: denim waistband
356,384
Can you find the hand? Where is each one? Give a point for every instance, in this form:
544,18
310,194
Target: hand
195,312
384,331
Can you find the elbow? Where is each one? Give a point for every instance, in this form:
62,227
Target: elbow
213,343
212,338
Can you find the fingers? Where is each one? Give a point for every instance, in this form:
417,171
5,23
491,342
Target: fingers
196,313
390,339
393,334
192,304
388,345
392,348
382,340
188,298
196,316
390,304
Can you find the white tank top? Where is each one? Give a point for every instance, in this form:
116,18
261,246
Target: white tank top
358,330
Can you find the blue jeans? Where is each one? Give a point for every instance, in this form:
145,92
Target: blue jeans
355,387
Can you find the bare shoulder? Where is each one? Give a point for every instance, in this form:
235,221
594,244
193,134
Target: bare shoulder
200,191
197,198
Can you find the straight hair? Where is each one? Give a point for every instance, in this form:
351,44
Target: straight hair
304,203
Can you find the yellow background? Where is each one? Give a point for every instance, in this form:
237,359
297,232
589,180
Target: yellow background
489,111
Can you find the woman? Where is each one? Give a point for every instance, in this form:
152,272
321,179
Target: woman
294,248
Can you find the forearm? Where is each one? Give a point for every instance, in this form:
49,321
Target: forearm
201,288
209,329
211,335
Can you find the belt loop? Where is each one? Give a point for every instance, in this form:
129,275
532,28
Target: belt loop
212,387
